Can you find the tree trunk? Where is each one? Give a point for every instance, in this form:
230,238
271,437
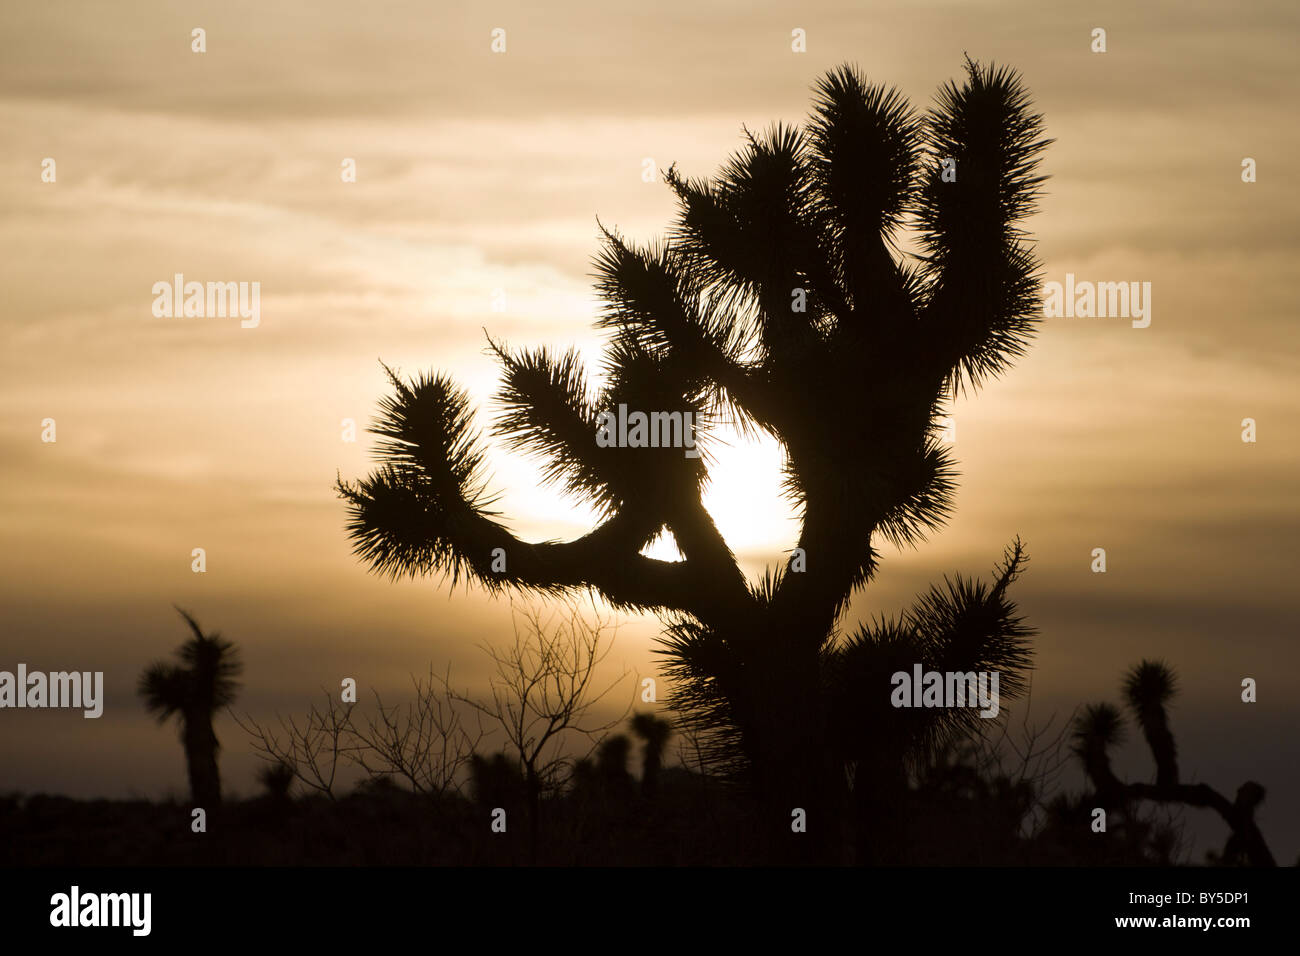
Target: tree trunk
789,749
201,761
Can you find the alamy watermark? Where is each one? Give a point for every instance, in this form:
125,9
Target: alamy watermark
74,908
624,429
198,300
75,689
946,689
1101,300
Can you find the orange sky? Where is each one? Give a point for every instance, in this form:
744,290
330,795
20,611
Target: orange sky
481,172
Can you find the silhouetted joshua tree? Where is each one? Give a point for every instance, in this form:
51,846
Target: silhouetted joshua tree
654,733
1148,688
611,766
780,303
496,781
277,778
195,689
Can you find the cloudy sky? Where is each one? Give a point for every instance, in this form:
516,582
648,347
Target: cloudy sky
480,178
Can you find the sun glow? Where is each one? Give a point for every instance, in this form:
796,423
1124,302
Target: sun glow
744,498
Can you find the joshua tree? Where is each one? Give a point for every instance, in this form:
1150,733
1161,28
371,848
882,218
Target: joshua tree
194,689
780,302
1148,688
611,765
277,778
654,732
495,781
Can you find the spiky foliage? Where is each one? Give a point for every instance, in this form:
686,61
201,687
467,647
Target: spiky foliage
1099,728
194,689
1148,687
779,301
945,630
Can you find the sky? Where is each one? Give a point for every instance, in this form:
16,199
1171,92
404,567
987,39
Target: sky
480,180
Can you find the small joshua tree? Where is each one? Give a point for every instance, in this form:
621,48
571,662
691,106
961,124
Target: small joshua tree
202,683
1148,689
654,733
277,778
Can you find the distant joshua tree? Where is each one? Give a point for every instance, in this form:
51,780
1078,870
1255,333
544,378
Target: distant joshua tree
781,302
654,732
277,778
202,683
1148,688
611,765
